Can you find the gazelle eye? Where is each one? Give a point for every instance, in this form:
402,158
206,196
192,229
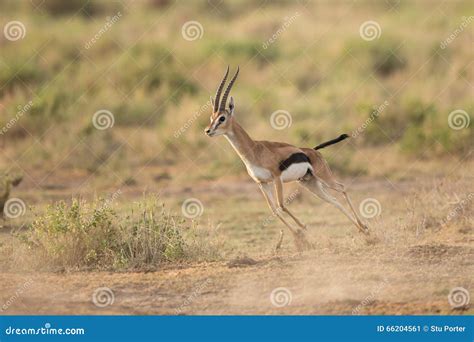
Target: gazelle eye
222,119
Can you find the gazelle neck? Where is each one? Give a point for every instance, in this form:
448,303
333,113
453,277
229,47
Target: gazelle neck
241,142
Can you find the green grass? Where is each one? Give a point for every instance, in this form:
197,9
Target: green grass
152,80
83,235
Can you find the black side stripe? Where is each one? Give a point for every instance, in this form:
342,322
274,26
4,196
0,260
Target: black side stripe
295,158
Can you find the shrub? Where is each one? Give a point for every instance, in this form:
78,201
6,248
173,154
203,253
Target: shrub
7,181
385,57
246,50
382,127
71,7
82,235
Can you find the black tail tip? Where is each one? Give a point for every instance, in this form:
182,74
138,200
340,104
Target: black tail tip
344,136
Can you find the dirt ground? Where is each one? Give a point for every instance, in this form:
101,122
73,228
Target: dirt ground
410,269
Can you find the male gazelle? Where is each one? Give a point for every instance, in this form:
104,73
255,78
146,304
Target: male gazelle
271,164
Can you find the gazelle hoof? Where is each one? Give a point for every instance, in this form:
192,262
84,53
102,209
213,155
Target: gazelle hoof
301,242
364,229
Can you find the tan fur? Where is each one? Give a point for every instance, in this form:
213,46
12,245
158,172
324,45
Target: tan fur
263,158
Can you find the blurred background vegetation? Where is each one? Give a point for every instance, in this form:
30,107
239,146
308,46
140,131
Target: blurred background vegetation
155,83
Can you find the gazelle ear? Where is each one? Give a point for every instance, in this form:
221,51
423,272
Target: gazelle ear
231,105
212,102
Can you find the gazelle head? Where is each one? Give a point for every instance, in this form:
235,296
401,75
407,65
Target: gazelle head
221,117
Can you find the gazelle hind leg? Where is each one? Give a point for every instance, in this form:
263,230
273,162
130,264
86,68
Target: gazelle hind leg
337,186
316,187
361,224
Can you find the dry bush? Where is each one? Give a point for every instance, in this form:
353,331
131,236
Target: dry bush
94,236
7,181
440,209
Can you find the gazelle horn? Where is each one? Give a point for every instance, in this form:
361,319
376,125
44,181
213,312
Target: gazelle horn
219,90
227,91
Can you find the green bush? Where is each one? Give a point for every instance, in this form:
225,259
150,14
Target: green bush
385,58
383,55
94,236
83,7
242,50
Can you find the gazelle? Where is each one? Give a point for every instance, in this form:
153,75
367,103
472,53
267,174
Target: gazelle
270,164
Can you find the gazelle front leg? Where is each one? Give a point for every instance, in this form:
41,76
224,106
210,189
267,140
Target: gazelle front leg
281,204
300,239
266,189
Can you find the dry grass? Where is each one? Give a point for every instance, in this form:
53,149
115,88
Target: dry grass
155,83
94,236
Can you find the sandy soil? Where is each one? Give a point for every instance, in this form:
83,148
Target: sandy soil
409,270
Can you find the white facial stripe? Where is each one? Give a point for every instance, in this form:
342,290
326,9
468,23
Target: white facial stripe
216,122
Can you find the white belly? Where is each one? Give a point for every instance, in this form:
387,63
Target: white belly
295,172
258,173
